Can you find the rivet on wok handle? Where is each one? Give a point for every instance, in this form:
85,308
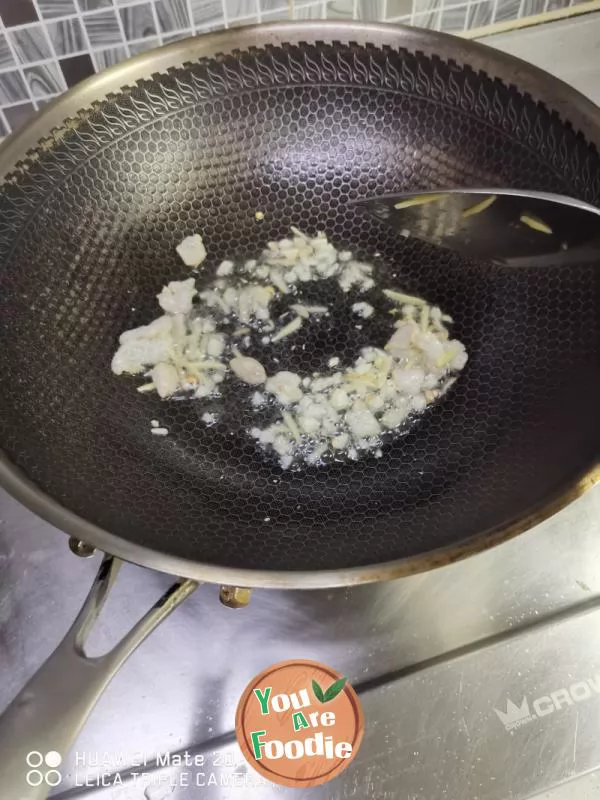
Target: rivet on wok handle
80,548
235,596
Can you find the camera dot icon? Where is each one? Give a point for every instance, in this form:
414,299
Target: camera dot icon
43,768
35,759
53,759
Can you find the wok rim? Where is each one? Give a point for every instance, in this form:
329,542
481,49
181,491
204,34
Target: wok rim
16,483
542,86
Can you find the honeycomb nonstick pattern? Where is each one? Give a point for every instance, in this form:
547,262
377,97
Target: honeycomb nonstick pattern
296,132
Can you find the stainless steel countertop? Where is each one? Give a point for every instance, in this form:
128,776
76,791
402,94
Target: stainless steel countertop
433,655
569,49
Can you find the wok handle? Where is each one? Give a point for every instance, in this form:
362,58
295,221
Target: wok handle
41,724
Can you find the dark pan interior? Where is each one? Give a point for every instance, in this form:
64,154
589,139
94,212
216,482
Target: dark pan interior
89,235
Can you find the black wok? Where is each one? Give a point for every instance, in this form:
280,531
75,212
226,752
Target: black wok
295,121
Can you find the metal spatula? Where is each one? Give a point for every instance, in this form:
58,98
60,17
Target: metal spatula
506,226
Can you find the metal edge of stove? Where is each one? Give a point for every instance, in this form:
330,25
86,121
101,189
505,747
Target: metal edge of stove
527,730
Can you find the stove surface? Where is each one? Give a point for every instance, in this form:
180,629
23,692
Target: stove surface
479,681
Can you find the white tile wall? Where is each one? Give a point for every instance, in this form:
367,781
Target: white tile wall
48,45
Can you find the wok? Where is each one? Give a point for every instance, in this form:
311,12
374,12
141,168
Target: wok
296,121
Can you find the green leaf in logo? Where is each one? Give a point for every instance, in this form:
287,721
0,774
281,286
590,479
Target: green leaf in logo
318,692
334,690
331,693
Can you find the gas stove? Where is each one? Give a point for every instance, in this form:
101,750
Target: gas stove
479,681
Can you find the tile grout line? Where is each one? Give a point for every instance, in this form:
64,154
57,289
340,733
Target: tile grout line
4,121
66,17
156,22
12,105
436,14
43,61
52,50
470,5
81,15
19,68
6,106
87,40
447,7
191,16
143,39
467,15
122,31
494,10
225,14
